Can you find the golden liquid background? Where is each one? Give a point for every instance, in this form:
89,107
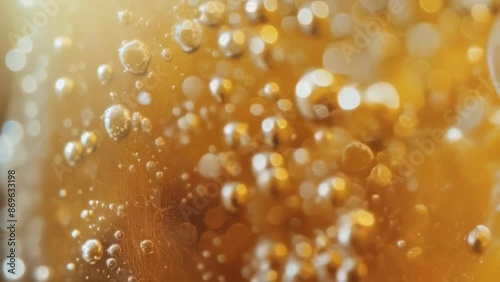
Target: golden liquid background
453,211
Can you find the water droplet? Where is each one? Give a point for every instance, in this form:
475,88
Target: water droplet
117,121
146,246
479,239
73,153
89,142
135,56
104,73
92,251
188,35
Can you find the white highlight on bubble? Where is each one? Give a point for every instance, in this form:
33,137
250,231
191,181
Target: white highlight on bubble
454,134
349,98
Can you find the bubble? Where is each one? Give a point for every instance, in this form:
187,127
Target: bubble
135,56
264,54
150,165
70,266
29,84
125,16
232,43
189,122
382,93
64,86
62,43
265,160
117,121
335,190
349,98
88,139
146,247
146,125
144,98
119,235
92,251
73,153
20,269
159,176
167,55
12,132
381,175
236,134
271,91
478,239
274,181
277,132
104,74
15,60
212,12
311,14
423,40
159,142
75,233
209,166
41,273
351,269
188,35
220,88
257,10
356,157
234,195
316,94
114,250
192,87
111,263
357,228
